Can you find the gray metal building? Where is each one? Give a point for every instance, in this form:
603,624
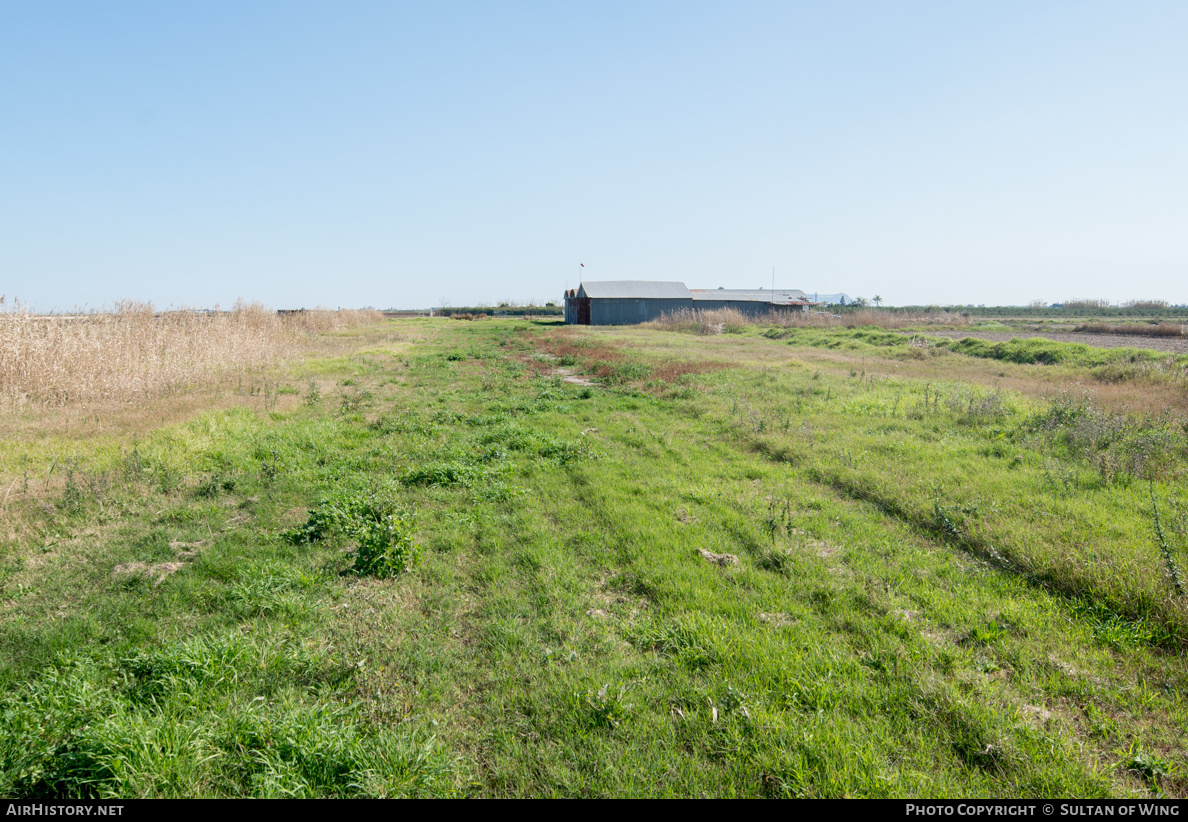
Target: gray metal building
628,302
751,302
624,302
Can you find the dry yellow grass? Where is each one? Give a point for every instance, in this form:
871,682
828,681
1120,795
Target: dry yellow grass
135,353
322,320
880,318
717,321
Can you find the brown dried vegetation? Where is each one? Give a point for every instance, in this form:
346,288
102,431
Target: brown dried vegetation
732,321
1139,329
608,363
135,352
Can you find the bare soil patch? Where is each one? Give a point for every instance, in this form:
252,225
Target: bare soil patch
154,571
567,376
718,559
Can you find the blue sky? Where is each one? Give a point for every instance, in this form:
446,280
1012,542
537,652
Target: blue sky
406,154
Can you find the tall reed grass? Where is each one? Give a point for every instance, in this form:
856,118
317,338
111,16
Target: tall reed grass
322,320
717,321
135,352
730,320
1150,305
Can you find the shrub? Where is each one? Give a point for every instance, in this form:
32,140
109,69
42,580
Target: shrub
1121,447
384,547
444,475
383,537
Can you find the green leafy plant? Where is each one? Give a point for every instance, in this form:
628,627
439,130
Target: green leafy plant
383,537
988,633
1169,560
606,709
384,547
1148,765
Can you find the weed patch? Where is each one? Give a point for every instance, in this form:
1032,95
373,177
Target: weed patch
382,535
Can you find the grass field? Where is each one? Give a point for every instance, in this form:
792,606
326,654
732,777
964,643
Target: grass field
511,558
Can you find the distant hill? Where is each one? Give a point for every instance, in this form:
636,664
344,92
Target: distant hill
830,299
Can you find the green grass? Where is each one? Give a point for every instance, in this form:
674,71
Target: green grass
454,574
1106,364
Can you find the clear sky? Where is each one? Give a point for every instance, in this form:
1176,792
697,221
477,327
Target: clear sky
406,154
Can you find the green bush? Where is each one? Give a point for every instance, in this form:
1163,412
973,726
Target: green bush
383,537
384,547
445,475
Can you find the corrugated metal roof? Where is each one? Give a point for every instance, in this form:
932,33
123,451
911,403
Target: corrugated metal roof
629,289
763,295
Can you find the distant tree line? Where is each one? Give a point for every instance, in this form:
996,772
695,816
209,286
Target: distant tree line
1062,310
506,310
1072,309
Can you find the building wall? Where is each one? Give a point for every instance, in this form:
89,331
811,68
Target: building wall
641,309
748,308
633,311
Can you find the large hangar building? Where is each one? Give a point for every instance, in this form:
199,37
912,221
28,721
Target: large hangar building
624,302
629,302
